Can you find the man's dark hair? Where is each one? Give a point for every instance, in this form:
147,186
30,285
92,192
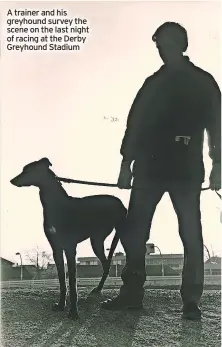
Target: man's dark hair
174,31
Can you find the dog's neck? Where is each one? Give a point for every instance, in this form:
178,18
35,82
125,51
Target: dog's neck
53,197
52,192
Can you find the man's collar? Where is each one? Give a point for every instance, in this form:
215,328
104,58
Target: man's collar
177,64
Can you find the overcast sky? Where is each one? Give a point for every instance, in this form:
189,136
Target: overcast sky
53,105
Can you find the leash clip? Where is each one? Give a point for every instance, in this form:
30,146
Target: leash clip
186,139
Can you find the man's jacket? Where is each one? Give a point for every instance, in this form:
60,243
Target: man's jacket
166,123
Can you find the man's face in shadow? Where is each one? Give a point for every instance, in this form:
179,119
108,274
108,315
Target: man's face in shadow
168,49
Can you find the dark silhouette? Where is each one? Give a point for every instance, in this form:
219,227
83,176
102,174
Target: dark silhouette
68,221
164,138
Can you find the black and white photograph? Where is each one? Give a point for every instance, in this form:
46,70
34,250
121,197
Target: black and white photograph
110,173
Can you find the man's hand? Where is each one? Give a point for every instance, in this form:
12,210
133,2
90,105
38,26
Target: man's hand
215,177
125,176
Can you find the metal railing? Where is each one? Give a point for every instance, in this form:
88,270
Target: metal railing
111,281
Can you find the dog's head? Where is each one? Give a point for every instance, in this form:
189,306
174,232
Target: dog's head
33,174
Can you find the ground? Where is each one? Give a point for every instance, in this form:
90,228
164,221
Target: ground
27,321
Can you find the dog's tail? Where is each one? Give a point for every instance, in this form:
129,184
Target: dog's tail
119,225
113,246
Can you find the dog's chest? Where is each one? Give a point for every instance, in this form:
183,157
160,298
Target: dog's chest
52,230
54,234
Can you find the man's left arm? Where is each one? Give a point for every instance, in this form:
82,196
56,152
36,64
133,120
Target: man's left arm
214,136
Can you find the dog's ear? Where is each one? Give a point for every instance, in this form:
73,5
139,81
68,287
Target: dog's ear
45,161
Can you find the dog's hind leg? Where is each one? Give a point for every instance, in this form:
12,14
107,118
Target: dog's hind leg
59,261
98,248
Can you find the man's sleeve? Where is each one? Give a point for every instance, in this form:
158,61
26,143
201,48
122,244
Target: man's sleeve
214,124
134,124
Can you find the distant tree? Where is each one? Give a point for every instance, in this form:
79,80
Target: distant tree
39,258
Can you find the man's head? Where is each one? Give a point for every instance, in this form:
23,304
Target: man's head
171,41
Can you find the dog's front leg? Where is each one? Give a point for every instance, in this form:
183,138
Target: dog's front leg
59,261
71,262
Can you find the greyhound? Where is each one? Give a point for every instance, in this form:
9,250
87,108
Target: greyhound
68,221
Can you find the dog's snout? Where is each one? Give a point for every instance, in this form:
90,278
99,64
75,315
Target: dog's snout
23,180
16,181
13,181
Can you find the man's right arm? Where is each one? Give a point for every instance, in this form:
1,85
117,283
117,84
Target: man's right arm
134,124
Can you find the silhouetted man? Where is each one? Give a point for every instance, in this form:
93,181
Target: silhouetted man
164,138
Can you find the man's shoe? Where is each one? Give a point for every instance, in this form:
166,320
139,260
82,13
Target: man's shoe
191,311
121,303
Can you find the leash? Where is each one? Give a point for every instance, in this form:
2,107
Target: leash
69,180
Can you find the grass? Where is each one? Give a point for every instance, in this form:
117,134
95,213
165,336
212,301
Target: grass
27,321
